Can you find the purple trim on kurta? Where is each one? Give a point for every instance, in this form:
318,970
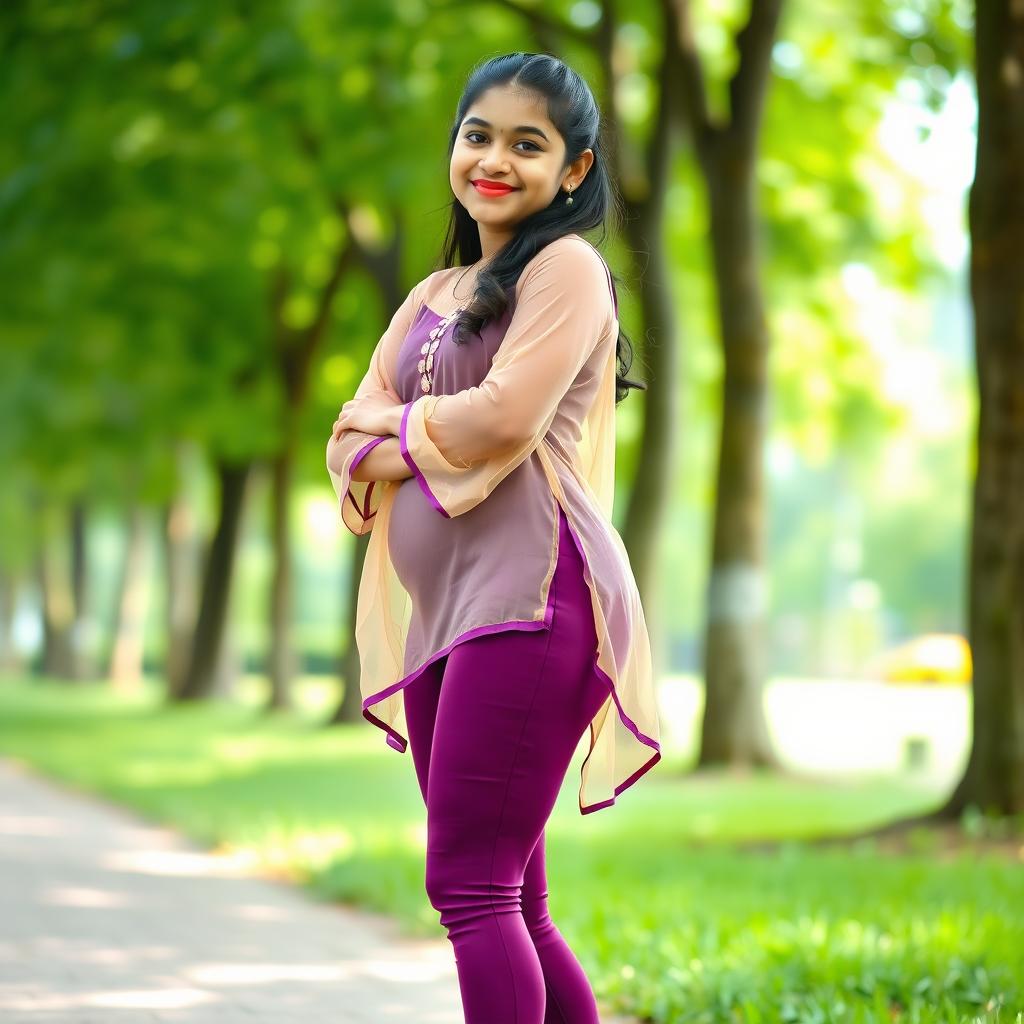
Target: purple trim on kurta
399,742
626,720
394,738
403,447
366,500
611,284
364,512
608,274
429,310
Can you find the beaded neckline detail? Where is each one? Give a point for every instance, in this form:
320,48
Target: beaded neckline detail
429,347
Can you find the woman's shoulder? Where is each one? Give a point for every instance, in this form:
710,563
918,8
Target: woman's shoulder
570,252
432,279
438,274
433,284
570,259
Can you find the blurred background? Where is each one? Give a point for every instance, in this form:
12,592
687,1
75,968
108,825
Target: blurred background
208,214
210,211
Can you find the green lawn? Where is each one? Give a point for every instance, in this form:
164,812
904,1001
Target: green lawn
669,919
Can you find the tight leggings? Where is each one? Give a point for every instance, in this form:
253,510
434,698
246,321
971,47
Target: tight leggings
493,727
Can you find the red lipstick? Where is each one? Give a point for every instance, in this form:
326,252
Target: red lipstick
492,188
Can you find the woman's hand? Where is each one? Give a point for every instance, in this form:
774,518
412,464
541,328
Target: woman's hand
375,413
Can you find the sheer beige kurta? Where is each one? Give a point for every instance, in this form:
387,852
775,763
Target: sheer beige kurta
542,416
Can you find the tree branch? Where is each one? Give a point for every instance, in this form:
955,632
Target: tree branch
543,23
604,44
659,144
682,44
747,87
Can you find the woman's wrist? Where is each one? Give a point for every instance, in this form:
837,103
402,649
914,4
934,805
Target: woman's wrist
395,419
383,462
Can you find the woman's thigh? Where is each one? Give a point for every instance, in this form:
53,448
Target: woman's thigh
421,699
511,709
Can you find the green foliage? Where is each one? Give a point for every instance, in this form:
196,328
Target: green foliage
177,165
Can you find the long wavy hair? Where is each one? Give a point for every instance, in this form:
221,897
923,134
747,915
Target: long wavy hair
574,112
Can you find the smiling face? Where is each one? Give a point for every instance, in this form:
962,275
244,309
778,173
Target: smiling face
506,137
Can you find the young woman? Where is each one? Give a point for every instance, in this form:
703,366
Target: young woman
497,616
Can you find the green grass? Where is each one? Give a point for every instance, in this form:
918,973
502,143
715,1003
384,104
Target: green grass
668,917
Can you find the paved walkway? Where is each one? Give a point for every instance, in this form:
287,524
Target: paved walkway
108,919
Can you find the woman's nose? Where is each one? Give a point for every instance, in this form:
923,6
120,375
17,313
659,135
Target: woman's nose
493,163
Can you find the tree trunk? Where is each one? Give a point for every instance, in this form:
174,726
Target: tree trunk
56,598
204,658
128,634
81,639
10,661
994,777
229,668
280,654
648,501
734,729
296,351
181,574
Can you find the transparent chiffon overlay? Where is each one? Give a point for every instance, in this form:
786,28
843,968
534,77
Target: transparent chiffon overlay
519,418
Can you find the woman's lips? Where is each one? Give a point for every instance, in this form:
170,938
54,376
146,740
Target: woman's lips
492,191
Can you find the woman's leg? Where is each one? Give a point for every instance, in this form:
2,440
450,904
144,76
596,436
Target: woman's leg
420,698
570,998
566,983
564,979
511,710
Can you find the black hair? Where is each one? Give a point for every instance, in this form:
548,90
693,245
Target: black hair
574,112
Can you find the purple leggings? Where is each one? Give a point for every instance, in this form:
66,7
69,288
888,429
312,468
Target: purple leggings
493,727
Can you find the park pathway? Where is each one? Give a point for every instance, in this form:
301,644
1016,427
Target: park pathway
109,919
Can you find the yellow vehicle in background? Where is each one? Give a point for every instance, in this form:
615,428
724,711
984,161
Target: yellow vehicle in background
929,658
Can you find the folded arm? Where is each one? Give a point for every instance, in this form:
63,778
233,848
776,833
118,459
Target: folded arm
461,446
383,462
360,497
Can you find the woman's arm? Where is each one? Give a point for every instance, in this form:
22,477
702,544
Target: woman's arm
462,445
383,462
358,500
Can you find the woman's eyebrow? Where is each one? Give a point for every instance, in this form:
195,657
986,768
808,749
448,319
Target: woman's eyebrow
520,128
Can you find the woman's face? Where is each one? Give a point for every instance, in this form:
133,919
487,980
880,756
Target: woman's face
520,148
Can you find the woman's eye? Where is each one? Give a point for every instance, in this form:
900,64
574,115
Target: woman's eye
469,137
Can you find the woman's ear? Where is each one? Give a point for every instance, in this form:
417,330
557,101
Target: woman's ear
579,167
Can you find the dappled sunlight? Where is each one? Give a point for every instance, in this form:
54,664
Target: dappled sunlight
229,974
842,730
177,863
30,825
78,896
416,965
109,915
38,1000
300,848
142,773
216,234
259,912
320,516
859,727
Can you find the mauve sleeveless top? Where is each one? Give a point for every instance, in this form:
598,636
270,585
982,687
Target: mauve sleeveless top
488,557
